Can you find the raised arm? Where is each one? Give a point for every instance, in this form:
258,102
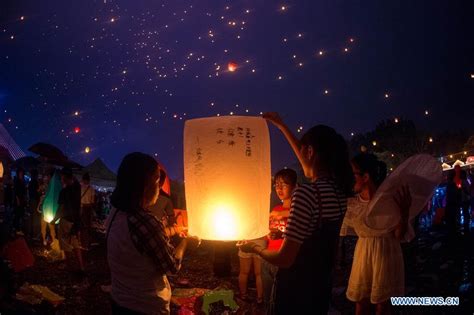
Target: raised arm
294,142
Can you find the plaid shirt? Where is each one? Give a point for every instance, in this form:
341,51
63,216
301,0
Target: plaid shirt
149,237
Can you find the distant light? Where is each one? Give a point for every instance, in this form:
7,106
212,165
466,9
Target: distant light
352,134
112,20
374,143
232,66
393,155
300,64
283,8
321,52
346,49
124,71
465,152
77,130
386,95
396,120
87,150
22,18
300,35
472,75
326,91
280,77
76,113
431,139
427,113
12,37
451,156
351,40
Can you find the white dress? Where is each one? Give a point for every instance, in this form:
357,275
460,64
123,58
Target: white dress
377,269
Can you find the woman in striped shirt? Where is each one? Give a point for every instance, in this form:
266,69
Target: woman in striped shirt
306,257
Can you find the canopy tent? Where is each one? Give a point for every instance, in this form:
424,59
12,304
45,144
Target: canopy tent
468,164
100,174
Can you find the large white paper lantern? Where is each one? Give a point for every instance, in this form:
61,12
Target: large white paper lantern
421,173
227,177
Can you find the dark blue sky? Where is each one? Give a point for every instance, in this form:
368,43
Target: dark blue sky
134,71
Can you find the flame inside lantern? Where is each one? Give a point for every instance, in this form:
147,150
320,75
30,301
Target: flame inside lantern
232,66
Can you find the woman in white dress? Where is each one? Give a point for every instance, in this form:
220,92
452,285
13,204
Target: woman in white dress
377,269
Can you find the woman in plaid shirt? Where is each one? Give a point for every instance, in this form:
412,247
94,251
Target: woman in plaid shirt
138,249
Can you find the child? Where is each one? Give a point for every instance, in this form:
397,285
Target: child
285,183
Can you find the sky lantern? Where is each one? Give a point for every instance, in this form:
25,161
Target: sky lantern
77,130
227,177
232,66
50,203
87,150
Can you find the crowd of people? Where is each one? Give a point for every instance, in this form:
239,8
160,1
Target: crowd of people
295,260
293,265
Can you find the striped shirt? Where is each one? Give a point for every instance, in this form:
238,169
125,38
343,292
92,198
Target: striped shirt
304,211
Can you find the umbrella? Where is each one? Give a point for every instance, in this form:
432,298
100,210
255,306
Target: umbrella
48,151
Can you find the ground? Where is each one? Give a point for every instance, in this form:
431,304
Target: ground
435,266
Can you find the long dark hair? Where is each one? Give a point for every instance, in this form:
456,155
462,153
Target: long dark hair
136,175
368,163
333,155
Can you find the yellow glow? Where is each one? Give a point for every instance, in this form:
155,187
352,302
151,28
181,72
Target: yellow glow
1,170
431,139
465,152
48,218
396,120
221,203
451,156
374,143
224,222
87,150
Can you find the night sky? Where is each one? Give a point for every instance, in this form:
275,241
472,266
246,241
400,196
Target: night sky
122,76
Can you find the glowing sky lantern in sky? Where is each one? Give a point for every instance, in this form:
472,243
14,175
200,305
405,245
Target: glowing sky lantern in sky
232,66
77,130
227,177
50,203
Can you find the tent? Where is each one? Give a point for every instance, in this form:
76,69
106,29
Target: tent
100,174
7,142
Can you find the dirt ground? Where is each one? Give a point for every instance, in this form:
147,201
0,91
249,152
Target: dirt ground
435,266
